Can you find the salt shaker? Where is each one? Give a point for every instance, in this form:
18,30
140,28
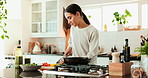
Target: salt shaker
115,57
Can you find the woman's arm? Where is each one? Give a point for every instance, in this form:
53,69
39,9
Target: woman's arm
94,44
68,51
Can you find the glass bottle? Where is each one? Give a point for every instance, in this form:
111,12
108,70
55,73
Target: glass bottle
105,27
122,55
127,51
18,55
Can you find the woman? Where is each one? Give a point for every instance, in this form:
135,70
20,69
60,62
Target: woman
83,36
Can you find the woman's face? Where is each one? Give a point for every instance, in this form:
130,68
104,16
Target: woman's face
72,19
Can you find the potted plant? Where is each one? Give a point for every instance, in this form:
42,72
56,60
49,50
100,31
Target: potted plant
121,19
143,49
3,16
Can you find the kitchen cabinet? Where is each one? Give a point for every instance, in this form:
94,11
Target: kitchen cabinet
39,59
45,18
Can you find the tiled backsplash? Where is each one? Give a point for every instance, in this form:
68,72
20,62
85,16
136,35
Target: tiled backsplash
58,41
111,38
106,40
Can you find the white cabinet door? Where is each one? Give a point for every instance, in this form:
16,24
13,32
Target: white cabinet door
51,17
37,17
45,19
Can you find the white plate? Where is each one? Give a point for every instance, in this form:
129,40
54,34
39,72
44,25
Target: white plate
46,67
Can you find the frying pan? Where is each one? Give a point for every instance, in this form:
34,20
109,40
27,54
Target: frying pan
76,60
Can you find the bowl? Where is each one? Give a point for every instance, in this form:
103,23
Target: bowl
30,74
30,68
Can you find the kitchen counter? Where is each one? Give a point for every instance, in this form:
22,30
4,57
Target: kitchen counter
131,57
18,73
100,55
47,54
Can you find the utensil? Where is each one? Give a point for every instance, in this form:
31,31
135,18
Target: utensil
144,39
76,60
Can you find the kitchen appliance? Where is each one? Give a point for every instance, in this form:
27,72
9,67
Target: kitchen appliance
79,70
87,69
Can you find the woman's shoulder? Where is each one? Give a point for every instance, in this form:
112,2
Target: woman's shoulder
92,28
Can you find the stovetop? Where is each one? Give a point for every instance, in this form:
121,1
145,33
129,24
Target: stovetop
82,68
79,70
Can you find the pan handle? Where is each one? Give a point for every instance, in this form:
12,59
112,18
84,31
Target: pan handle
60,60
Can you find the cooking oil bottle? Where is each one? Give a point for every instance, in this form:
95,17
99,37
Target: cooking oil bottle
18,55
18,51
105,27
127,51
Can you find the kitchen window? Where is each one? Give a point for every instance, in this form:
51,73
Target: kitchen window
94,16
102,14
109,10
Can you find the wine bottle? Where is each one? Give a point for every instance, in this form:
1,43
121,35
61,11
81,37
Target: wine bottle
127,51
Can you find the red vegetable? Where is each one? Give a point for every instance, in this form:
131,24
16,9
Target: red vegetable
45,64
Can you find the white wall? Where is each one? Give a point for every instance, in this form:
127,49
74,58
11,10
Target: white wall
13,26
14,9
26,24
14,32
18,25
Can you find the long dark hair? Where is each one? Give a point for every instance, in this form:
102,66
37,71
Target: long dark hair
73,8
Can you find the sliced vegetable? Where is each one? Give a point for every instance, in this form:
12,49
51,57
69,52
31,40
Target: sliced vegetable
52,65
33,64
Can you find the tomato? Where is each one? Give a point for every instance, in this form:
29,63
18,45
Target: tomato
45,64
